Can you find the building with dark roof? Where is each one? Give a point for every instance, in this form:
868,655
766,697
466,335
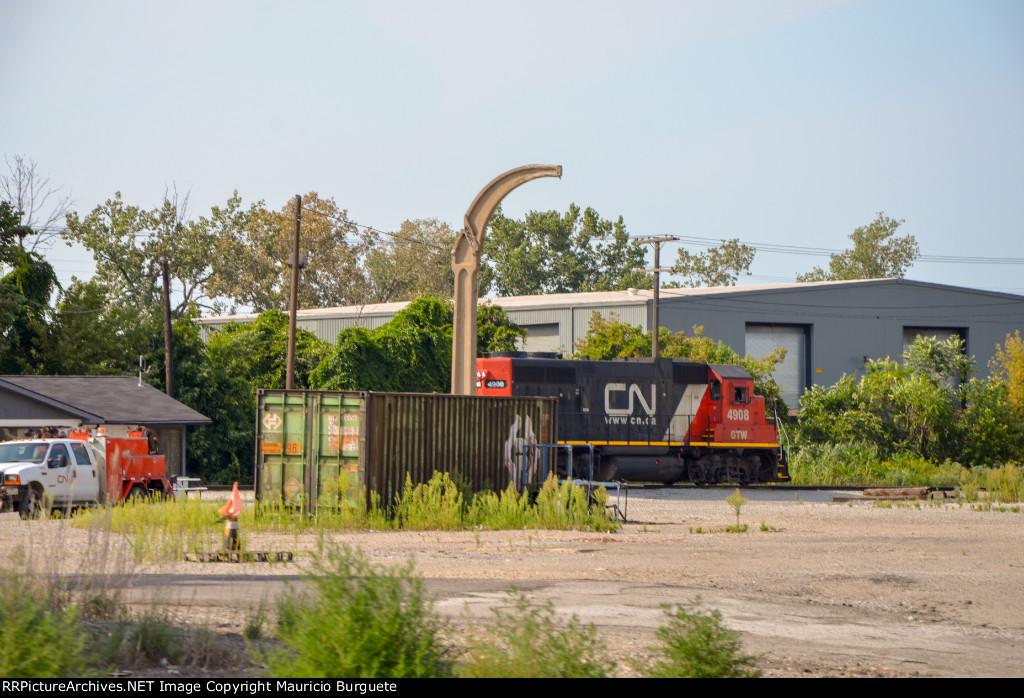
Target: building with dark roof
117,403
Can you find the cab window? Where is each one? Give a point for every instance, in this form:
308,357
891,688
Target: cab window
716,389
740,394
56,451
81,454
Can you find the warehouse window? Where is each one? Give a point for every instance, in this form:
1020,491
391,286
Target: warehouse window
940,333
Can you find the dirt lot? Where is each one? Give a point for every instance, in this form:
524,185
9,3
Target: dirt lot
829,589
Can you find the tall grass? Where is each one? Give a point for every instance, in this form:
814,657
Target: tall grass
168,530
39,635
527,642
861,464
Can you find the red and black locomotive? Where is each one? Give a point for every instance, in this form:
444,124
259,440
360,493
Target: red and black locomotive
661,420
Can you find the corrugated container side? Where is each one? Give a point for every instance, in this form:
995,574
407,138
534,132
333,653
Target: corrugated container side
307,439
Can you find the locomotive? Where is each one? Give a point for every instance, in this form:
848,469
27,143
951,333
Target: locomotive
654,420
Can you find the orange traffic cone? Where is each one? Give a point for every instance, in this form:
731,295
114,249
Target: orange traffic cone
230,511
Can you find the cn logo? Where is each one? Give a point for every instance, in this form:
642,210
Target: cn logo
631,392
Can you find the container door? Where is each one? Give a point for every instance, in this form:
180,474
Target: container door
281,431
336,476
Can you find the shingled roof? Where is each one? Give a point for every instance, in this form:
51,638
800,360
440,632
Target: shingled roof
100,400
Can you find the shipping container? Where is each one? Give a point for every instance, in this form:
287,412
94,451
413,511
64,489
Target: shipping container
307,441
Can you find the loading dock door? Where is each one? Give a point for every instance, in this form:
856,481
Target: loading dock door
791,374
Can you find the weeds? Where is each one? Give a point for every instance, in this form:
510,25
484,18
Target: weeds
695,644
736,501
38,638
859,464
360,621
151,638
526,642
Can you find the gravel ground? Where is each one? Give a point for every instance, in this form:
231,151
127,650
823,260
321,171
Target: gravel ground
820,589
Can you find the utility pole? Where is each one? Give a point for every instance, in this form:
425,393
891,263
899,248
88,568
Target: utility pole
290,375
168,337
657,282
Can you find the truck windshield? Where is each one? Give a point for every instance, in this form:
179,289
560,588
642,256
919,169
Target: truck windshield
26,452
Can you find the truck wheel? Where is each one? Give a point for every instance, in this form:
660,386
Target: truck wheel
136,494
30,506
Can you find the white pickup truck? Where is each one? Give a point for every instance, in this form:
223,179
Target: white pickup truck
77,472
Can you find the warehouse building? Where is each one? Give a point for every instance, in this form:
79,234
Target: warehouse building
828,328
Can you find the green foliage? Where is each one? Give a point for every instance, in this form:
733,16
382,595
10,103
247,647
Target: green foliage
360,620
876,254
411,353
608,338
716,266
26,283
414,262
128,244
1008,368
923,406
38,638
437,505
736,501
527,642
551,252
257,351
152,637
220,452
696,645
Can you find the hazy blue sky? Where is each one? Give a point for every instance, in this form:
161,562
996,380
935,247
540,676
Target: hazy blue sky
782,122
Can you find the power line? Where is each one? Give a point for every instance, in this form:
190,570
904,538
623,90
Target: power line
826,251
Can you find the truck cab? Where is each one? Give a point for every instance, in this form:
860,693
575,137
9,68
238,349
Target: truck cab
61,470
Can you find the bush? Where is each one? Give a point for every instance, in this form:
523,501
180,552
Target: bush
695,645
526,642
38,639
360,621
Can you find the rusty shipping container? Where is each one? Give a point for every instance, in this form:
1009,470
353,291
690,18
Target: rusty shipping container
306,440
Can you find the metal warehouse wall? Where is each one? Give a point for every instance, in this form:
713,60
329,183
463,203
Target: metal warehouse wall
846,323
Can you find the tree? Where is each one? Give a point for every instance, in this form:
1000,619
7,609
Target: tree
416,261
608,338
923,405
876,254
256,351
1008,367
255,246
92,332
412,352
43,207
717,266
26,286
220,452
551,252
129,243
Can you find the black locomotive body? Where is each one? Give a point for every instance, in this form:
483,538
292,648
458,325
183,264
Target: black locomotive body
661,420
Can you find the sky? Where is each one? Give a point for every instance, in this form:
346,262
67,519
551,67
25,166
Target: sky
787,123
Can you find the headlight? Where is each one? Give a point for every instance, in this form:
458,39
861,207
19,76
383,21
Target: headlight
12,479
